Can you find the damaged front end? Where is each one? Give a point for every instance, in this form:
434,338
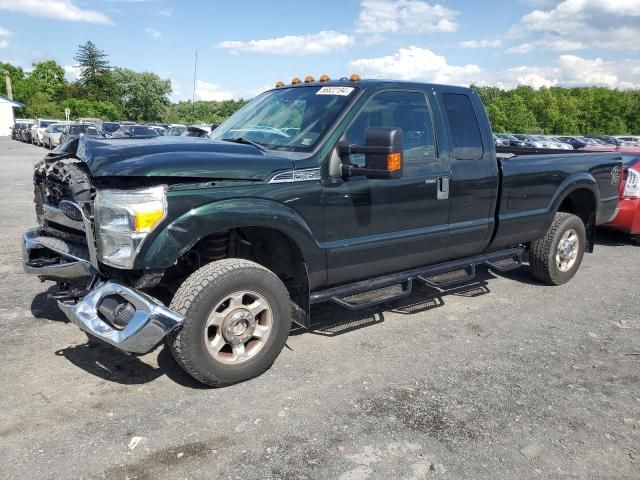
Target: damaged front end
63,249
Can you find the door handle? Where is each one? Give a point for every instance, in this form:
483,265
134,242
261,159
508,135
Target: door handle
443,188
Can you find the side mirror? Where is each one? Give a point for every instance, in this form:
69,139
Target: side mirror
383,154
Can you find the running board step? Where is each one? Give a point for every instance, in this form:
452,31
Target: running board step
505,264
362,300
370,292
446,279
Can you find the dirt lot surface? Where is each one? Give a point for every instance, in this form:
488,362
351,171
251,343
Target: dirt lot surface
503,378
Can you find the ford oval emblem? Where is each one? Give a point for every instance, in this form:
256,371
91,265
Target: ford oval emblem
71,210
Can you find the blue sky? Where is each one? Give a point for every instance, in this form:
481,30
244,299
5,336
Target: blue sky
244,47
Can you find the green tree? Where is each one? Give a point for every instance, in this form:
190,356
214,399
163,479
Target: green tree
142,96
95,71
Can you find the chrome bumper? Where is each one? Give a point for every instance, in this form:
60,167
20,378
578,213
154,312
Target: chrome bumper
65,262
151,322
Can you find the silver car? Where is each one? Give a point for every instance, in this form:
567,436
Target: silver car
38,128
51,136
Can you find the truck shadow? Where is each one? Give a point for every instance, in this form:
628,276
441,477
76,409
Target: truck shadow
109,363
613,238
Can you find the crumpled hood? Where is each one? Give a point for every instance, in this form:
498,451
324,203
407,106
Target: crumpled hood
177,157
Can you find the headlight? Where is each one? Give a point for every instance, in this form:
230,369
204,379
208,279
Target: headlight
123,219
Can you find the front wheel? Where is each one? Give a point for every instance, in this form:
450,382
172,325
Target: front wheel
555,258
237,320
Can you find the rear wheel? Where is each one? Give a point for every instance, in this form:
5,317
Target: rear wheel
237,320
555,258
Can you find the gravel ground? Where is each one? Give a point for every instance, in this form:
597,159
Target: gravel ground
503,378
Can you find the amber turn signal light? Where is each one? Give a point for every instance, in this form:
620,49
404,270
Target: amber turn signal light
309,79
354,77
295,81
324,78
394,161
279,84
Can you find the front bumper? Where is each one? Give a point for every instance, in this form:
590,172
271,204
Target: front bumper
56,259
150,324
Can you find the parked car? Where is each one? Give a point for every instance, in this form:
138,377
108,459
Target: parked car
25,132
627,218
197,131
574,142
243,231
609,140
51,136
135,131
630,140
498,141
107,128
514,142
75,130
38,128
531,139
159,130
557,143
175,130
15,130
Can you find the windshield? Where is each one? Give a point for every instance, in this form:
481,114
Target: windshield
45,124
110,127
74,129
292,119
144,131
57,128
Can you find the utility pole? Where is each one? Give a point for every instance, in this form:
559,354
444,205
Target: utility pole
7,80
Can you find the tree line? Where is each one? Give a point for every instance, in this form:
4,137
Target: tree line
104,91
115,93
557,110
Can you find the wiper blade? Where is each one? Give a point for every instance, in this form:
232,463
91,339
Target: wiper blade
245,141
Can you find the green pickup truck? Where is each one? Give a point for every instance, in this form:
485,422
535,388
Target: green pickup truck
340,191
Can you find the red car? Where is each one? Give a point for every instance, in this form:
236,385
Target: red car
628,217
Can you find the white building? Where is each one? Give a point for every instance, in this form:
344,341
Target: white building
6,115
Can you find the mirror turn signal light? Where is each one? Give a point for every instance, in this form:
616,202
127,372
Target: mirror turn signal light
295,81
324,78
279,84
394,161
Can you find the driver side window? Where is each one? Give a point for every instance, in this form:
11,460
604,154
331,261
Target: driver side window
406,110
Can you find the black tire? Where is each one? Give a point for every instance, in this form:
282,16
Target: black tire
542,254
201,293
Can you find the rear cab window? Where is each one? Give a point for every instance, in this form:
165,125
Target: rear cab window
464,127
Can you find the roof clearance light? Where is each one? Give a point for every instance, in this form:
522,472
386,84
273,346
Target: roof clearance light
324,78
354,77
295,81
279,84
309,79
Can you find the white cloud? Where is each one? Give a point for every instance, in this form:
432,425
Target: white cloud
4,33
520,49
322,42
484,43
404,16
153,32
166,12
420,64
571,25
210,91
71,72
415,63
56,9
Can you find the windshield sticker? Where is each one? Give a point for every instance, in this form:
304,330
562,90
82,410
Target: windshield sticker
306,141
342,91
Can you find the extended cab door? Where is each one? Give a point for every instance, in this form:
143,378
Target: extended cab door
375,226
474,170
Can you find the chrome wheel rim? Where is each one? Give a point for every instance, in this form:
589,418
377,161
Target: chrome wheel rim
238,327
567,251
